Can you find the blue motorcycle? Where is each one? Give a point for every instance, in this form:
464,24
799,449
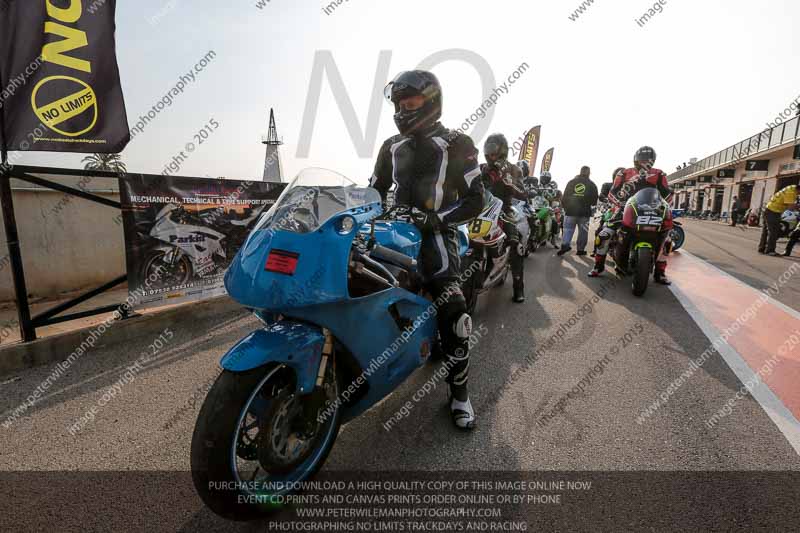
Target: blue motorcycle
677,235
334,280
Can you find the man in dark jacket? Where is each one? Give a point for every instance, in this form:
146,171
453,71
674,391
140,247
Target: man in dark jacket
580,196
735,210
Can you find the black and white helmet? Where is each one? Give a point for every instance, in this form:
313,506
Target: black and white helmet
645,157
415,83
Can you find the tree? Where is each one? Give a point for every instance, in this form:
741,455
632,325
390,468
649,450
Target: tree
108,162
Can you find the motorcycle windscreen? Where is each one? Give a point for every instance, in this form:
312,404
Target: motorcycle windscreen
648,198
312,198
297,253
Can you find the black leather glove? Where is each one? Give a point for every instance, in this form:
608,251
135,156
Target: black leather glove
426,221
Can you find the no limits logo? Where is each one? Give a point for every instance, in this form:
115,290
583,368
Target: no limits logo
65,104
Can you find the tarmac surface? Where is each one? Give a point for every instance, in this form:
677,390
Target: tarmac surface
528,423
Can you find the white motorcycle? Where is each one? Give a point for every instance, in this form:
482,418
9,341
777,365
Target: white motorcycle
789,221
182,247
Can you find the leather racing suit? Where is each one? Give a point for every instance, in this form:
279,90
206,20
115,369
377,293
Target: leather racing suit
437,171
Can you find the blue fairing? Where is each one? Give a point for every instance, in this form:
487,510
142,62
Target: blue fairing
296,345
316,296
399,236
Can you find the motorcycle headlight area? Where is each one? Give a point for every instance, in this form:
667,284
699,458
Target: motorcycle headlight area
346,225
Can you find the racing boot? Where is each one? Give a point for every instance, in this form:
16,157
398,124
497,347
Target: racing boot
462,413
599,266
519,291
660,274
789,246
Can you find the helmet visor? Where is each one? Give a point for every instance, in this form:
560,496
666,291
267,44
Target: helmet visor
406,83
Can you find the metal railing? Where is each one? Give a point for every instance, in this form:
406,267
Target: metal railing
27,323
752,146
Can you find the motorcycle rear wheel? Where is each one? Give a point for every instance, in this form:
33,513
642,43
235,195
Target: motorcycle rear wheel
228,435
641,274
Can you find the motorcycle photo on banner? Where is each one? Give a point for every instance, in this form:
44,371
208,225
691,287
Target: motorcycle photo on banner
181,233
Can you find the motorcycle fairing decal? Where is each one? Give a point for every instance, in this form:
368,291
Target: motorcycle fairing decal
643,245
649,220
282,261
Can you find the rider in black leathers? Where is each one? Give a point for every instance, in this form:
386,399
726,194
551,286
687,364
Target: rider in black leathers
435,170
504,180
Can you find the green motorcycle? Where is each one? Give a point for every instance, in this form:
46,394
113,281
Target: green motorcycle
544,220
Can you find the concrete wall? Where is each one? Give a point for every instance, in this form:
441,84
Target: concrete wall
67,243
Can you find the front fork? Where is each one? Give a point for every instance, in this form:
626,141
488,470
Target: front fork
173,256
315,401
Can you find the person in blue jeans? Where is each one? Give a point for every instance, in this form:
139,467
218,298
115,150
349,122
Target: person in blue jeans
580,196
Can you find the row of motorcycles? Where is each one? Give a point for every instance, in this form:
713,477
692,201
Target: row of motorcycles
538,221
323,266
790,218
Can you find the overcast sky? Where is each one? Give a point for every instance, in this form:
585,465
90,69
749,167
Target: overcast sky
696,78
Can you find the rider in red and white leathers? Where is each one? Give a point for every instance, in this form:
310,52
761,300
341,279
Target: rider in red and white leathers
626,184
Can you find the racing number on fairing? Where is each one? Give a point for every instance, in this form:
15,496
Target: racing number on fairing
648,220
476,226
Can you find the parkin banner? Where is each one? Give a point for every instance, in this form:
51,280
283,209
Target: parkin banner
530,148
59,80
181,233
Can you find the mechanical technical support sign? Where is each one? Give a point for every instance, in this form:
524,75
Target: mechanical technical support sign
182,233
60,82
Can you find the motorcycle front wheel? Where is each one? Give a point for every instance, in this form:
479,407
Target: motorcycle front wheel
678,237
166,273
254,440
641,271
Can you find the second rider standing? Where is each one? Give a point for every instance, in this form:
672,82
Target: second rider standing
504,180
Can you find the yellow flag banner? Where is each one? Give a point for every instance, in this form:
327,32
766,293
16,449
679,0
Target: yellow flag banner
530,148
547,160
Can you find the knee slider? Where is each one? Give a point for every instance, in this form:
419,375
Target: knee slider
462,327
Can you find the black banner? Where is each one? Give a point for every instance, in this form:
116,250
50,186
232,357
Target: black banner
547,160
181,233
60,82
530,148
797,151
726,173
754,165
